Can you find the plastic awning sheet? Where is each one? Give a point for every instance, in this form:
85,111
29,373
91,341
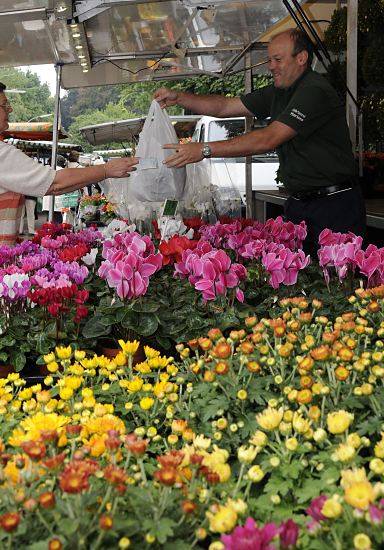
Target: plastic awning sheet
129,130
32,130
120,41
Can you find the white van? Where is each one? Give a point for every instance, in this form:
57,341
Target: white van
227,175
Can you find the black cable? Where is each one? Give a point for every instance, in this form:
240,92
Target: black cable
129,70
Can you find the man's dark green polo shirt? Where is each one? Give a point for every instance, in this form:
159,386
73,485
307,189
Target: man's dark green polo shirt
321,152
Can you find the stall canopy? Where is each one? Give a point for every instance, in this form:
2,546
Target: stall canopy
41,147
119,41
32,130
128,130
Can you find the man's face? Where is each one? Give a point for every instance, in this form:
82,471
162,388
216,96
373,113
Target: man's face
285,67
5,110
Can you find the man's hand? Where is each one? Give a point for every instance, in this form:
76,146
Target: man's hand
185,153
166,97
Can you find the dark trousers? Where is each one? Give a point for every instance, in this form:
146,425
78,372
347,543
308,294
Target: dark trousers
341,212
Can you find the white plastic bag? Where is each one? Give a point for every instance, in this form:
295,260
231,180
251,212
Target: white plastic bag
156,183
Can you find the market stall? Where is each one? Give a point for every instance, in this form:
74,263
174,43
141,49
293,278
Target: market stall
242,405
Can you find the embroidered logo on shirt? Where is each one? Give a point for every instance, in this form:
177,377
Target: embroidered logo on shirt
297,114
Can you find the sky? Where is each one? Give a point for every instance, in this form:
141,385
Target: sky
47,74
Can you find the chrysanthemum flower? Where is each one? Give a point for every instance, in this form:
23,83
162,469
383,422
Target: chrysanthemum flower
270,418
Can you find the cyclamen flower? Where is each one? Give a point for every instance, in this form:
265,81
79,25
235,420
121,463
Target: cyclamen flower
173,248
14,286
211,272
283,265
251,537
371,264
130,261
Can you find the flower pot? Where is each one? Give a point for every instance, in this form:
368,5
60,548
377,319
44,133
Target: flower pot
5,370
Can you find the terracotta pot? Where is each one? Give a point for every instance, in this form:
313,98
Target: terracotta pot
5,370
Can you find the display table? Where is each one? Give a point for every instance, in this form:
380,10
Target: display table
262,200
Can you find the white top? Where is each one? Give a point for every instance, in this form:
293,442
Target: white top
21,174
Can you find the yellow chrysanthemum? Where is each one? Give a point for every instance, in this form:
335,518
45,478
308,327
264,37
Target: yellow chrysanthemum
101,425
135,384
25,394
63,352
255,474
142,368
158,362
31,427
270,418
73,382
66,393
359,495
300,424
201,443
76,369
130,348
260,439
89,363
339,421
223,520
159,388
379,447
345,452
79,354
120,360
362,541
331,508
246,455
350,477
146,403
49,357
150,352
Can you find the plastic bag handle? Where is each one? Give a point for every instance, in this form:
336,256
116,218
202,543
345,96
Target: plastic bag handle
155,111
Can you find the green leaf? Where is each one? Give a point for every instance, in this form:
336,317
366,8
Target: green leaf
147,306
18,360
162,529
40,545
69,526
93,328
210,409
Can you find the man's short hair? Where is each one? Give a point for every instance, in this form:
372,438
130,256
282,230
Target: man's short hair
301,43
2,87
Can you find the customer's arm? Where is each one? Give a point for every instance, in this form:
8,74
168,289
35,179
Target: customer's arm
71,179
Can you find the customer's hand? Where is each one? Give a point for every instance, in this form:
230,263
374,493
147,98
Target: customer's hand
185,153
166,97
121,167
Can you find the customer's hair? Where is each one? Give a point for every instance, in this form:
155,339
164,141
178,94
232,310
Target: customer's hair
61,161
2,87
301,42
73,156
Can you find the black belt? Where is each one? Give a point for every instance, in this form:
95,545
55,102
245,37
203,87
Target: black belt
322,191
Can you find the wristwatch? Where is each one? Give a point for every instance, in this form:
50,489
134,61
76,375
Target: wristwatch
207,152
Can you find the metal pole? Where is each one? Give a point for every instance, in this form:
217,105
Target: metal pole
352,69
248,127
55,135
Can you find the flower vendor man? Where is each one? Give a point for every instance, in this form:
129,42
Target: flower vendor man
21,175
308,130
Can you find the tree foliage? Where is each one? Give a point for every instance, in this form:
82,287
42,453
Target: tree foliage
370,79
88,118
35,101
